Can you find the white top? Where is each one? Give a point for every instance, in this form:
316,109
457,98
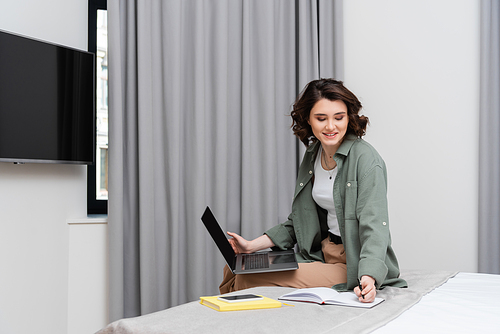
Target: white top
322,193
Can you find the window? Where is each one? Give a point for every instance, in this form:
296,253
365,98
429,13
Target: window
97,179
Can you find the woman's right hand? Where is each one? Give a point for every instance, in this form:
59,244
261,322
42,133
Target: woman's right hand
241,245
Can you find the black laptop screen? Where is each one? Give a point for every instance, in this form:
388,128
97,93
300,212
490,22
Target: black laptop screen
219,237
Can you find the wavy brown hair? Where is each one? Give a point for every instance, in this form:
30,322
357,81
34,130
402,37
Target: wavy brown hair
332,90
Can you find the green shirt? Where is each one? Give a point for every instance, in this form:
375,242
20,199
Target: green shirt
360,197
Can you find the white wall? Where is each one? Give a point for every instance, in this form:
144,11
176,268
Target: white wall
42,267
415,66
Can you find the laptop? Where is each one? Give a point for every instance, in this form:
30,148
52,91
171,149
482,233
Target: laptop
260,262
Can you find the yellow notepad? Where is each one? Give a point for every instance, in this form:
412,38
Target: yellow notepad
223,306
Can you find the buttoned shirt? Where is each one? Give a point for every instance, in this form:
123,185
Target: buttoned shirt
360,196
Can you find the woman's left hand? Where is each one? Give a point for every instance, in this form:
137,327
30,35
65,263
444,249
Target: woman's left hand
369,291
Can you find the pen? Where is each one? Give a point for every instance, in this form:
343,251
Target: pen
360,288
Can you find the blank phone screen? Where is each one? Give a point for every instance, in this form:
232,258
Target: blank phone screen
241,297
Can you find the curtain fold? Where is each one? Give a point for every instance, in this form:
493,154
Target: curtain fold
200,96
489,140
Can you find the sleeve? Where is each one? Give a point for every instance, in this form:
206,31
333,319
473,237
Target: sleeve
372,215
283,235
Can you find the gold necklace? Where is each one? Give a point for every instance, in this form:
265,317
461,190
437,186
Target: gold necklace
330,170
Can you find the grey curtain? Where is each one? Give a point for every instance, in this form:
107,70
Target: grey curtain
489,139
200,95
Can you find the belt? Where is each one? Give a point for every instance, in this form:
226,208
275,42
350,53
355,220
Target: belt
335,238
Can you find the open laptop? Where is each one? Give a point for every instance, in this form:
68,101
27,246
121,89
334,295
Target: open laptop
260,262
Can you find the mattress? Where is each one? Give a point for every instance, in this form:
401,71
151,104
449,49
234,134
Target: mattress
434,302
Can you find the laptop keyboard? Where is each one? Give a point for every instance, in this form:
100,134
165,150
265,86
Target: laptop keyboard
255,261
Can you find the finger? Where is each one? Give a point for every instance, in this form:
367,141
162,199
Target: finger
366,293
365,298
367,287
236,236
233,244
362,293
369,292
370,297
362,296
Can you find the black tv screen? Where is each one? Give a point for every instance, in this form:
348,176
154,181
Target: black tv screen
47,102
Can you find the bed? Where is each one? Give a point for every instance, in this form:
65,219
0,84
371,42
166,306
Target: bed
435,302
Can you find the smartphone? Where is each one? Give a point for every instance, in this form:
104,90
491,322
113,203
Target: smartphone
240,298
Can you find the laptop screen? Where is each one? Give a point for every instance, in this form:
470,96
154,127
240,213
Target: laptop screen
219,237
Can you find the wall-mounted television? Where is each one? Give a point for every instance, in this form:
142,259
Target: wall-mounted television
47,102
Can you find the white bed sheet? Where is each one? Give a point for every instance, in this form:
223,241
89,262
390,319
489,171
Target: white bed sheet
467,303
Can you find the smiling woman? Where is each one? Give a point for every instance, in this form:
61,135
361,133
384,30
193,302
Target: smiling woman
328,90
339,218
328,121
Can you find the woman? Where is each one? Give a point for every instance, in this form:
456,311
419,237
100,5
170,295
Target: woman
339,218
